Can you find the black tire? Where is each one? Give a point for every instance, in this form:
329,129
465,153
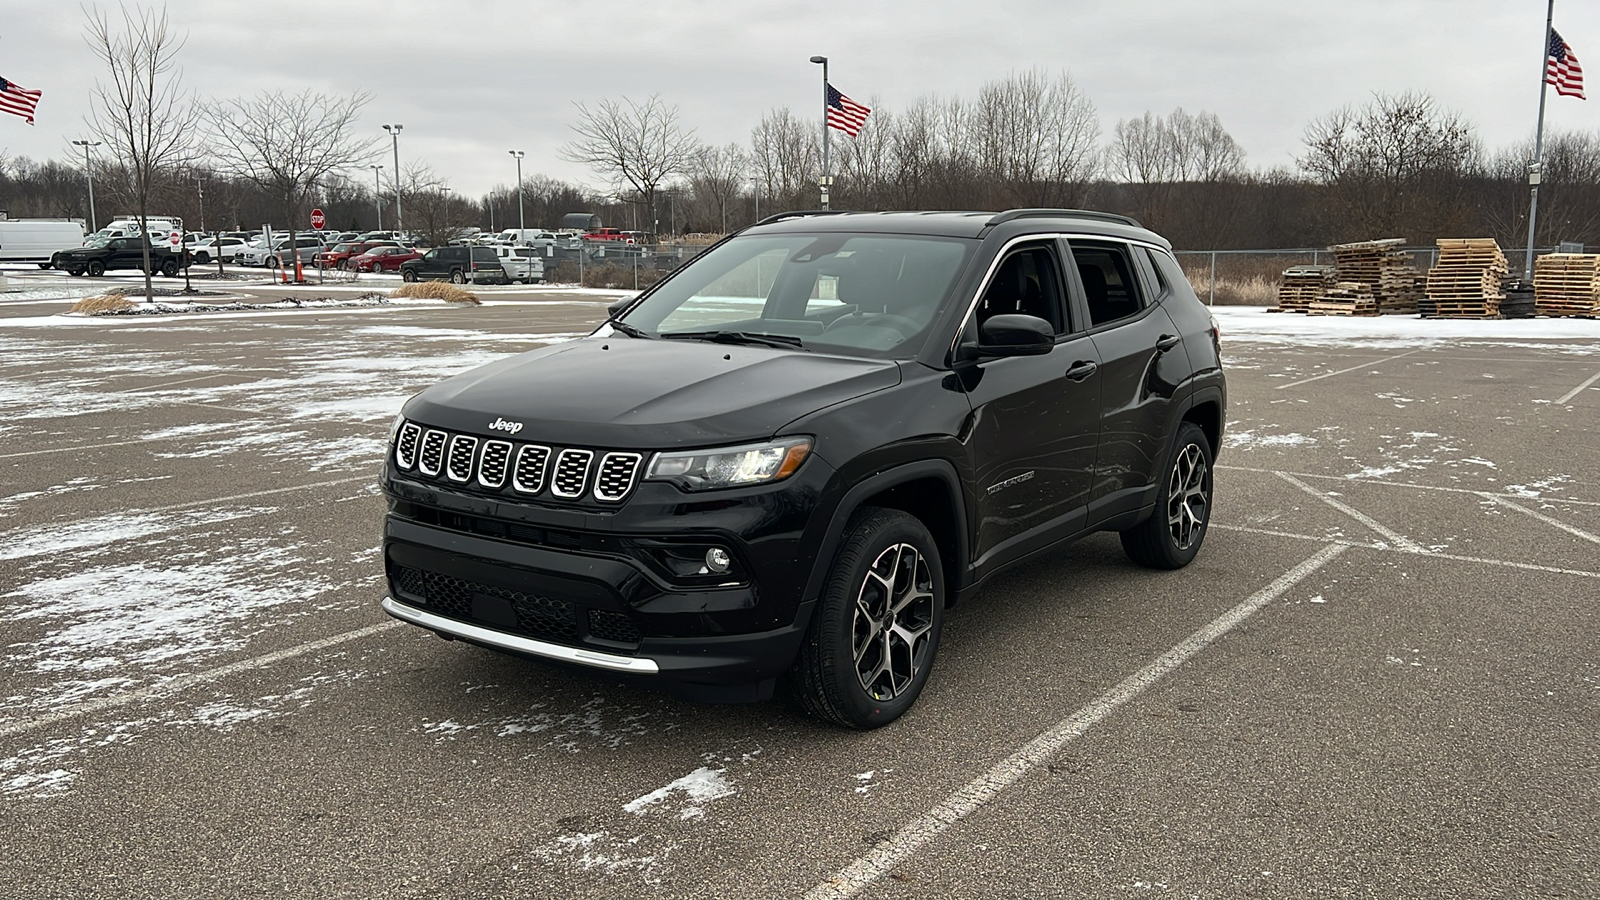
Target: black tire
408,275
201,257
170,268
458,277
1171,537
854,669
96,268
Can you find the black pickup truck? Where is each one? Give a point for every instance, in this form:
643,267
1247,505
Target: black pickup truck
102,254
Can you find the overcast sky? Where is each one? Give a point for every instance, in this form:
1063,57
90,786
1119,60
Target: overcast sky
470,79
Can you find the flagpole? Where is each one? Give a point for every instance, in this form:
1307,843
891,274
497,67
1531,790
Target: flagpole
826,181
1537,167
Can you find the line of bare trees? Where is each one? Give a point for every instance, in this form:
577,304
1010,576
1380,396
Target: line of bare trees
1397,165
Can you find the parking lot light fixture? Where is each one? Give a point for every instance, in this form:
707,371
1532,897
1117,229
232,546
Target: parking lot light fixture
88,172
377,192
521,223
399,220
826,181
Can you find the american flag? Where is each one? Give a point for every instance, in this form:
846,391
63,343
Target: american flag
18,100
845,114
1561,68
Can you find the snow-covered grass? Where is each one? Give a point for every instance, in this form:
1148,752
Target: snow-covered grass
1248,324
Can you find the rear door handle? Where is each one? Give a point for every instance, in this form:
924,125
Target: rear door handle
1082,370
1166,342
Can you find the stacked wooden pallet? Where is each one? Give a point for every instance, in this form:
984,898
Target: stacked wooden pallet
1346,298
1300,286
1466,282
1383,266
1567,284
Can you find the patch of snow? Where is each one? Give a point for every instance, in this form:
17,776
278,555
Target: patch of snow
699,787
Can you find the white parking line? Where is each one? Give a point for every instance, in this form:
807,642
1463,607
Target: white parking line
1351,369
978,792
1395,537
1402,484
184,682
1543,518
1567,397
1453,557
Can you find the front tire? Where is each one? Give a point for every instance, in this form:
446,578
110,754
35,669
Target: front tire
872,640
1171,536
408,275
170,268
202,258
96,268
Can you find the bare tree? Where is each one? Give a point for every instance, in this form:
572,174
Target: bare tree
716,177
288,143
1036,139
1162,161
641,145
441,215
143,116
786,155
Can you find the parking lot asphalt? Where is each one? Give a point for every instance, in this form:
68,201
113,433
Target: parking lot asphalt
1379,678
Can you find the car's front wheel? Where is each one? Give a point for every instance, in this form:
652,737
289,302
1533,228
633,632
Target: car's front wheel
170,268
96,268
873,637
202,257
408,275
1172,535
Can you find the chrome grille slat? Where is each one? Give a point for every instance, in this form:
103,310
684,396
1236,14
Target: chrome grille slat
572,473
533,462
458,466
405,446
492,466
431,459
615,476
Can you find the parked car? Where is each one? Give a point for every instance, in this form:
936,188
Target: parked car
385,258
228,248
339,255
529,237
522,264
305,247
37,240
102,254
453,264
786,459
380,236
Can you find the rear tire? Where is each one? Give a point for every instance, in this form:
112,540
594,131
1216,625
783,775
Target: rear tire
1171,536
873,637
96,269
457,276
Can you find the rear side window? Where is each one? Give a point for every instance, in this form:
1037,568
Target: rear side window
1109,285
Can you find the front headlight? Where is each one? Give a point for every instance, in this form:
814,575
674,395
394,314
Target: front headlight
704,470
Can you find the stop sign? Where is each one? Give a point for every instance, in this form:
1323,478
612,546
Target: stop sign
317,219
177,238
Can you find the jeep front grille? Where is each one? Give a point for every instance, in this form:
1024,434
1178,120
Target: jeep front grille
615,477
492,468
462,449
532,462
432,453
572,473
405,447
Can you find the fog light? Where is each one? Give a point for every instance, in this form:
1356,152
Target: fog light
718,561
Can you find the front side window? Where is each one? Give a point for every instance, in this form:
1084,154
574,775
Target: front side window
1028,282
1109,284
866,294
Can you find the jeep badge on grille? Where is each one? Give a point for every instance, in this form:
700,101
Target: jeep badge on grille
500,424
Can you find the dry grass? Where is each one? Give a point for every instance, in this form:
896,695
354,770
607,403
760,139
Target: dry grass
110,302
623,275
1247,290
438,290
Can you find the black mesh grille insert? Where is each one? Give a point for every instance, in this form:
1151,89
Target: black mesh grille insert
462,449
432,455
572,473
545,618
532,463
615,476
405,446
492,467
612,626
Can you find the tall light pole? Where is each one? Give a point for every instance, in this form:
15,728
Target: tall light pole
88,172
826,180
399,220
521,223
377,194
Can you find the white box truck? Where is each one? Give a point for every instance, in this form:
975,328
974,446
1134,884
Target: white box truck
36,240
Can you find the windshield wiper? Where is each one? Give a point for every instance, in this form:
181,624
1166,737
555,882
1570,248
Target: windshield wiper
629,330
738,337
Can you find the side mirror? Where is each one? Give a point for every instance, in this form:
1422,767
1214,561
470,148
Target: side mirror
615,309
1015,334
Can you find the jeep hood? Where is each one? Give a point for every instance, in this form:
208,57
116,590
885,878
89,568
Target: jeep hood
630,393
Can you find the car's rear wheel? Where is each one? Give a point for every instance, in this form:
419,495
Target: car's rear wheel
458,277
1171,536
873,637
408,275
96,268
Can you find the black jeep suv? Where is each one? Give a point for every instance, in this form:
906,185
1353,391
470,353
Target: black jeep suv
455,264
784,461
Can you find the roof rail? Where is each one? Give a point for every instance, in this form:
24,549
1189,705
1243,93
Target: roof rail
796,213
1012,214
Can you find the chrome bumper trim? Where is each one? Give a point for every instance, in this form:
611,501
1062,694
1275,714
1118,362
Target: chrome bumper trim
468,631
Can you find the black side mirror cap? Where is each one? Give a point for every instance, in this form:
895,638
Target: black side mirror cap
616,309
1015,334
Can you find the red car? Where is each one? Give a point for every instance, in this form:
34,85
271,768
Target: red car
383,259
338,255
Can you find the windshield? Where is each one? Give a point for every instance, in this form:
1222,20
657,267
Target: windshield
98,241
868,294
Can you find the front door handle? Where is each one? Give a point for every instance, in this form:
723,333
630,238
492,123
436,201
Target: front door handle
1082,370
1166,342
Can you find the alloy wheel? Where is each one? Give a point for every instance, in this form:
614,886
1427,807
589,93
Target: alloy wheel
892,622
1189,498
